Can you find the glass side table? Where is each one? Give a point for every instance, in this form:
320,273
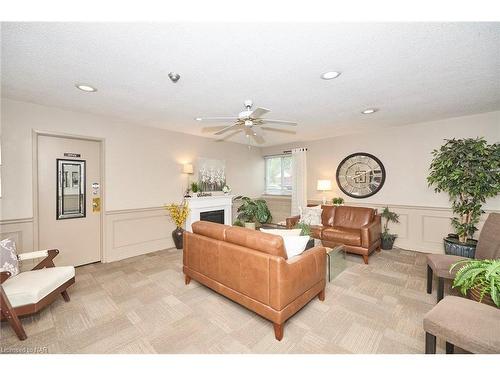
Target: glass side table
336,261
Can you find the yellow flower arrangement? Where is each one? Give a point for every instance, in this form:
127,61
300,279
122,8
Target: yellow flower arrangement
178,213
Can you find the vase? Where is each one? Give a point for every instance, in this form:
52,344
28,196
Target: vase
250,225
177,234
452,246
475,295
387,243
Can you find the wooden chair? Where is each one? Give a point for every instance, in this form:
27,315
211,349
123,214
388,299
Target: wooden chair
488,247
29,292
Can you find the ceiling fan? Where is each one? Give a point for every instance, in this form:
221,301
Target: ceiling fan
249,121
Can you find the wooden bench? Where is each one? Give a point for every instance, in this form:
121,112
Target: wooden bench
470,325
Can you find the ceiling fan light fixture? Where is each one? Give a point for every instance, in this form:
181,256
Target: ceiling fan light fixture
330,75
174,77
85,87
369,111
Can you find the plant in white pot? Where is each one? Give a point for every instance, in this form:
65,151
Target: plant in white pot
469,171
253,211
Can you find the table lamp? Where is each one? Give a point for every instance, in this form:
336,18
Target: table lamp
324,185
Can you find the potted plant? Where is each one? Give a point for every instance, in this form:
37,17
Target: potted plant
306,231
226,189
387,238
253,211
479,280
468,170
338,201
194,187
178,214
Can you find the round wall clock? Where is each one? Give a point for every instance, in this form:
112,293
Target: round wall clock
360,175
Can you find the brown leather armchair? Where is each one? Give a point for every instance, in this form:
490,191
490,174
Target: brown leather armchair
357,228
252,269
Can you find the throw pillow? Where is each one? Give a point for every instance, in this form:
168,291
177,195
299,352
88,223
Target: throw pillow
310,215
8,257
295,245
293,241
282,232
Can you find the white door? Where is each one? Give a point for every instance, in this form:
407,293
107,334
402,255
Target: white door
69,193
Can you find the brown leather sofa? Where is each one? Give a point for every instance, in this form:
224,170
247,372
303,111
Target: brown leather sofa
357,228
252,269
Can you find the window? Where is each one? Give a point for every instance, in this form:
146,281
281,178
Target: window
279,174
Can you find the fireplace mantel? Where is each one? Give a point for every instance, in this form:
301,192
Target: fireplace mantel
197,205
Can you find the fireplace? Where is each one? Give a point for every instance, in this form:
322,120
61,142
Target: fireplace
216,208
216,216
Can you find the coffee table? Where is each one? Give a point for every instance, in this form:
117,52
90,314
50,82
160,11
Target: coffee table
336,261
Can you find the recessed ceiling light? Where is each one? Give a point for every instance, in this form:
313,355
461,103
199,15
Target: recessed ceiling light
86,88
198,118
369,111
330,75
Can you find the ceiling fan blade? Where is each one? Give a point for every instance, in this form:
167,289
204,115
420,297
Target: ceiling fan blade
258,112
216,118
279,130
282,122
227,128
211,129
228,136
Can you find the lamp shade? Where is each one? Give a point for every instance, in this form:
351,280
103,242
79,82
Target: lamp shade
187,168
324,185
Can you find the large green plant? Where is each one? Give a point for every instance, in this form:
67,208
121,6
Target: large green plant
469,171
253,210
483,275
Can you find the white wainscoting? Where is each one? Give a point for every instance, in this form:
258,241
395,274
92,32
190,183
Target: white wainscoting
134,232
21,231
420,228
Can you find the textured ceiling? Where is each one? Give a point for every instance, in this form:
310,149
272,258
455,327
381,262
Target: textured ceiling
413,72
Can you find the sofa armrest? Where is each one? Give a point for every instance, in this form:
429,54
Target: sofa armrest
295,276
291,222
371,232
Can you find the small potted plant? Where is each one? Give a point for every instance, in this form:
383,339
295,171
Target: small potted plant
306,231
226,189
479,280
194,187
338,201
468,170
387,238
178,214
253,211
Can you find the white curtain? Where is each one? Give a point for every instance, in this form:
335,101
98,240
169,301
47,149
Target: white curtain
299,179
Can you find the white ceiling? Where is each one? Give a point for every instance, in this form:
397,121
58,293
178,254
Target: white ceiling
413,72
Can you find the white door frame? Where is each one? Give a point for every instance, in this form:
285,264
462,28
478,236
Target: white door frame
34,135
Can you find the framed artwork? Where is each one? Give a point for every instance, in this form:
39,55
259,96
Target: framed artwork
211,174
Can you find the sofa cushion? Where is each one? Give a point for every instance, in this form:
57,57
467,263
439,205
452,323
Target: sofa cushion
208,229
257,240
316,231
327,215
8,257
470,325
346,236
295,244
352,217
31,286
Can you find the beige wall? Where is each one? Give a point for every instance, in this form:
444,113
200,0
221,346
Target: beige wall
406,154
142,172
